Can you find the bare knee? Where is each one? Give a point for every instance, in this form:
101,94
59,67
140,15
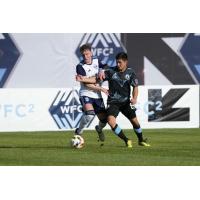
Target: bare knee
112,121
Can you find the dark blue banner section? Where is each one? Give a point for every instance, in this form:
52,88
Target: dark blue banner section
9,55
191,53
179,67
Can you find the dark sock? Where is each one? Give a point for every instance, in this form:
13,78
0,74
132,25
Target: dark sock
118,131
138,132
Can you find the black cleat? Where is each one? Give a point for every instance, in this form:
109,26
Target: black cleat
100,133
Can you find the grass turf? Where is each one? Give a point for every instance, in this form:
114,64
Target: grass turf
169,147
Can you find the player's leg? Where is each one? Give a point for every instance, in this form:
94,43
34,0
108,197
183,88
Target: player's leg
129,112
100,111
88,114
102,123
112,113
138,131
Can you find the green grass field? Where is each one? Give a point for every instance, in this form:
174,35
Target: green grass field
170,147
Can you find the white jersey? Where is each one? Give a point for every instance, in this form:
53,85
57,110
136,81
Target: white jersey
89,71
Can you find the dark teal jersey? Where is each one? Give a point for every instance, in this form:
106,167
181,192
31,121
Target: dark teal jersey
120,84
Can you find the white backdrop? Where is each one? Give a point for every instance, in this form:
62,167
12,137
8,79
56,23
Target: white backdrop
47,60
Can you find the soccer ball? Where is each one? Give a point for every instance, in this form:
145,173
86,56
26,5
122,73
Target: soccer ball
77,142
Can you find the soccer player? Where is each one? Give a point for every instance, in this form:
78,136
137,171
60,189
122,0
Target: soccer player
120,80
90,94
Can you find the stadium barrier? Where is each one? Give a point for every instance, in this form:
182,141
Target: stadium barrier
174,106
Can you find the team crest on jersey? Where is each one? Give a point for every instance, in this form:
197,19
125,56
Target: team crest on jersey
9,54
66,109
127,77
105,46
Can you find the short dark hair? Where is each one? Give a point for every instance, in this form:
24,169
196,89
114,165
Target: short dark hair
85,47
122,55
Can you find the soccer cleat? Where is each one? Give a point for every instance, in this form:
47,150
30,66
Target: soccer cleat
129,144
144,143
100,133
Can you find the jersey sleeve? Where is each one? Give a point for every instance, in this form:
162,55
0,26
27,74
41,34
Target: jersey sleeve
108,74
80,70
134,80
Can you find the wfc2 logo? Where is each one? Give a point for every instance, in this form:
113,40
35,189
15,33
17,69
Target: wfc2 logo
66,109
105,46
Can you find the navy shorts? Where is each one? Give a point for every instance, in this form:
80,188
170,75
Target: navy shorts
97,104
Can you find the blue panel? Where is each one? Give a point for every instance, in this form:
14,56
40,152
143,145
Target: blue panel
9,57
198,68
191,53
2,72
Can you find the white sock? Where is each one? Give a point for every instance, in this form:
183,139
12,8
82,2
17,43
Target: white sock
84,122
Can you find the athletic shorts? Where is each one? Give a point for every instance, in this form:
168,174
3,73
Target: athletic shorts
97,104
125,108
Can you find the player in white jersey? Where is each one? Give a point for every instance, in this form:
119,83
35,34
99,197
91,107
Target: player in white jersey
90,94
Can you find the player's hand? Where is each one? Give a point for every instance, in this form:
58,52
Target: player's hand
133,101
104,90
79,78
101,75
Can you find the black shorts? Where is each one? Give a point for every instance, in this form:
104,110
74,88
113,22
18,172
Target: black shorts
125,108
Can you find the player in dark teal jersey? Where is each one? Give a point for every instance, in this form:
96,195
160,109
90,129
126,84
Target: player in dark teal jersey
120,80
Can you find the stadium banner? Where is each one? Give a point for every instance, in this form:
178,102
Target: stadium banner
48,60
174,106
164,58
53,109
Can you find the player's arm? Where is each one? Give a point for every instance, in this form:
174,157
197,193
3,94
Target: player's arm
91,83
85,79
134,95
105,75
134,84
97,88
